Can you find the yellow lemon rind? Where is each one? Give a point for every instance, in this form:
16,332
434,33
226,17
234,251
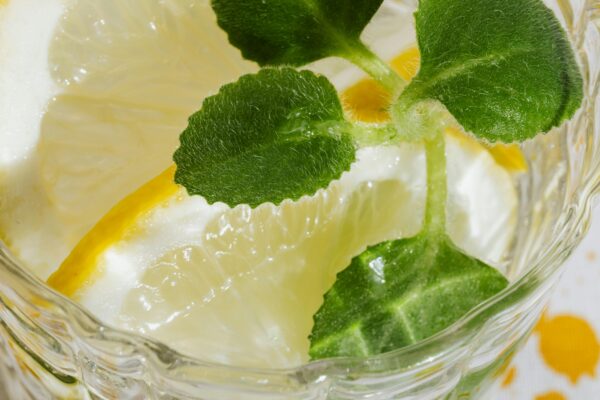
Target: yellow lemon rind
80,266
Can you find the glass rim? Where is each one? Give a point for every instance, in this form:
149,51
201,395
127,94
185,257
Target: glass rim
167,362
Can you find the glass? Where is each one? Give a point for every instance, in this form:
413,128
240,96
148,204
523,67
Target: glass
52,348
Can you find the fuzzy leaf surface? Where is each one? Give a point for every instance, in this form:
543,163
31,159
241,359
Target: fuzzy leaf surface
504,69
294,32
275,135
398,293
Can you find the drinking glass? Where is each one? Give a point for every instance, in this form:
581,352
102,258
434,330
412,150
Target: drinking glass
52,348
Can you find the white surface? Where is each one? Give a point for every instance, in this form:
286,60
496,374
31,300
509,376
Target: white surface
577,295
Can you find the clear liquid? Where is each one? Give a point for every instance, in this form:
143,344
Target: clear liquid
129,74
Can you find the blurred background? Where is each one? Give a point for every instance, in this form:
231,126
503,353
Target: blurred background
562,359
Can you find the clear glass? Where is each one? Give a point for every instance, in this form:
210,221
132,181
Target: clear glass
51,348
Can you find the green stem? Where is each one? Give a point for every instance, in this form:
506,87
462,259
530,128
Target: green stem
437,185
373,134
361,56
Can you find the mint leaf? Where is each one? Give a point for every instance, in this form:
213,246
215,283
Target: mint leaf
398,293
294,32
279,134
504,69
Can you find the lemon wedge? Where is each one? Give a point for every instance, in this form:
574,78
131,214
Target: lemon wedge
93,98
240,286
116,83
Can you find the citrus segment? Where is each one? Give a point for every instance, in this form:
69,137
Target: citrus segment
238,286
131,74
78,269
509,156
367,101
125,76
196,275
406,64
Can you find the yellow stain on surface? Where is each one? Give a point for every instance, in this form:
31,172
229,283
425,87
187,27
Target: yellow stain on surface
569,346
367,101
509,378
551,396
591,256
3,2
79,268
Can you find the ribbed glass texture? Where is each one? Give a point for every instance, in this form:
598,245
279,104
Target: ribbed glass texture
50,348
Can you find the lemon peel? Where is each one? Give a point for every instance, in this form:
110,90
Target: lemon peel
78,270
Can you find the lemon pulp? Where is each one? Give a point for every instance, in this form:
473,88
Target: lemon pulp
235,286
93,98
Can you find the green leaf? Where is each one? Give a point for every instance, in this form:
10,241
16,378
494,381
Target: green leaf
279,134
504,69
294,32
398,293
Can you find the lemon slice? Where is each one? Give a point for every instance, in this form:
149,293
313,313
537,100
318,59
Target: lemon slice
132,73
236,286
93,97
240,286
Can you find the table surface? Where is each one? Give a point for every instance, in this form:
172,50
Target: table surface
561,360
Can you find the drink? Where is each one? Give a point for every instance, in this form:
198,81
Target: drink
278,323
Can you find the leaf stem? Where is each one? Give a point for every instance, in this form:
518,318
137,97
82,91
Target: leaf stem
373,134
437,185
363,57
